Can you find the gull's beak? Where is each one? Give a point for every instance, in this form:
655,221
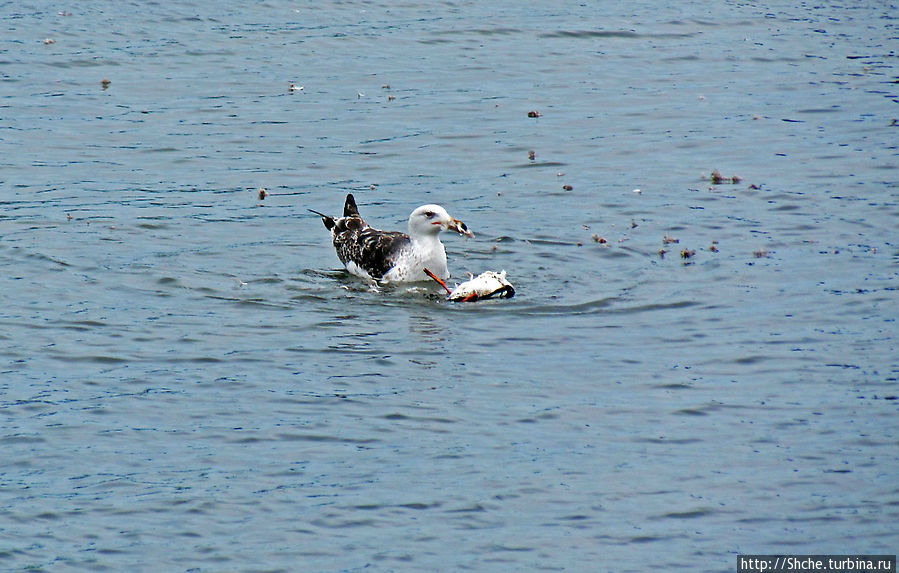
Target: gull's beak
459,227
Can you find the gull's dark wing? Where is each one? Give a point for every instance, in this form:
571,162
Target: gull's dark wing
373,251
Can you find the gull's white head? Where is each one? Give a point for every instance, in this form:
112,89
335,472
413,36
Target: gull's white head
431,219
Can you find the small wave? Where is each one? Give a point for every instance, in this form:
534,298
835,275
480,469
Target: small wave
627,34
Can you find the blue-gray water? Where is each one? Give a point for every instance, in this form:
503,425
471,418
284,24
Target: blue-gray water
189,381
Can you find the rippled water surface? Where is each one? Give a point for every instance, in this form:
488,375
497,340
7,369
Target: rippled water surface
189,381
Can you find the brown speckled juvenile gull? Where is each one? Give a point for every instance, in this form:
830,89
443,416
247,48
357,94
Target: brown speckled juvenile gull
392,256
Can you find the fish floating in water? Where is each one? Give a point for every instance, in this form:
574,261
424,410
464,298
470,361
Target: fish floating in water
486,285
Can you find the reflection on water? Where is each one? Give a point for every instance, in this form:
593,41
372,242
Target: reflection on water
692,367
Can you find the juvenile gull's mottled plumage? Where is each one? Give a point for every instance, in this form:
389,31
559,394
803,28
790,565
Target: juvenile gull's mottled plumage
392,256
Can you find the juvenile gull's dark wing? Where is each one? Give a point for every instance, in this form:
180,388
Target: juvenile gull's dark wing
371,250
349,210
328,220
349,206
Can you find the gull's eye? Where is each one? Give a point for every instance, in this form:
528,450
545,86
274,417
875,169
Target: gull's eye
429,214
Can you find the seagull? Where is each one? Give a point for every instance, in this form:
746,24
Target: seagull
392,256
